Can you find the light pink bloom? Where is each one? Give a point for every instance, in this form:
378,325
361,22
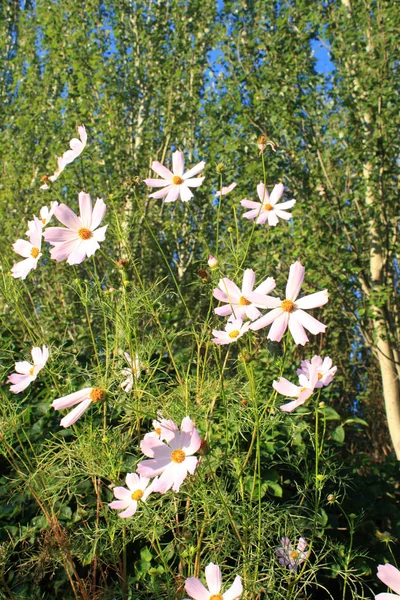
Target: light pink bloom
198,591
268,209
83,399
27,372
290,312
45,216
302,392
212,262
323,367
164,429
177,183
234,330
132,373
29,250
390,576
238,301
76,146
172,460
288,556
82,236
138,491
60,168
227,189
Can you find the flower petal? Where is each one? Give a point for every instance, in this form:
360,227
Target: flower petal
286,388
185,193
313,325
297,330
278,327
213,578
390,576
249,279
85,208
173,193
295,280
98,214
235,591
162,171
178,163
313,300
276,193
196,589
194,171
262,193
67,217
71,399
76,413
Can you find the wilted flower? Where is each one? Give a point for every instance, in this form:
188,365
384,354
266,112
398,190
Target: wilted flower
268,209
45,216
138,491
288,556
290,312
132,373
323,367
233,331
390,576
83,398
172,460
302,392
76,148
82,236
197,591
27,372
29,250
238,301
227,189
212,262
177,183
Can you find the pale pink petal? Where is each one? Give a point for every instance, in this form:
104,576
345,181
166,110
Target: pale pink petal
196,589
162,171
286,388
390,576
23,248
213,578
264,301
37,356
285,205
122,493
250,204
283,215
58,235
100,234
91,246
75,414
71,399
305,394
154,466
227,189
191,463
134,482
302,545
290,406
251,312
297,330
223,311
22,269
129,511
63,250
173,193
276,193
82,134
231,290
163,192
266,319
185,192
79,252
35,234
156,182
278,327
249,279
150,445
252,214
220,295
272,218
118,504
98,214
266,286
235,591
313,300
23,367
262,217
194,171
295,280
85,208
67,217
313,325
20,382
262,193
386,596
178,163
174,474
194,182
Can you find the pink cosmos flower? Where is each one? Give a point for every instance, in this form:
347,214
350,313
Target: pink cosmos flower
390,576
323,368
132,373
83,399
227,189
302,392
27,372
172,460
268,209
234,330
82,236
177,183
128,499
45,216
29,250
76,148
238,301
290,312
197,591
288,556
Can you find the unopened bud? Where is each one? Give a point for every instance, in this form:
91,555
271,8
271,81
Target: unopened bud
212,262
220,167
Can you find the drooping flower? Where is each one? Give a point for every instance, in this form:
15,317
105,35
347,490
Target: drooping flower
83,399
29,250
60,168
302,391
27,372
238,301
290,557
323,367
291,312
198,591
268,209
171,460
212,262
76,148
390,576
82,234
45,216
177,183
132,373
227,189
233,331
128,499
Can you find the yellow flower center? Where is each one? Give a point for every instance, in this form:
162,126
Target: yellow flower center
268,206
303,390
137,495
35,252
85,233
44,221
216,597
243,301
178,456
158,431
287,306
294,555
97,394
319,375
177,180
31,371
233,334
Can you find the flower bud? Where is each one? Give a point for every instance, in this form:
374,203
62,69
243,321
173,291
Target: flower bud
212,262
220,167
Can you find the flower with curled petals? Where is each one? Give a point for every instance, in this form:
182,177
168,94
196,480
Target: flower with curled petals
177,183
132,373
83,399
290,557
198,591
323,367
234,330
76,148
128,499
45,216
227,189
81,236
27,372
301,392
29,250
268,209
237,301
290,312
390,576
171,459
